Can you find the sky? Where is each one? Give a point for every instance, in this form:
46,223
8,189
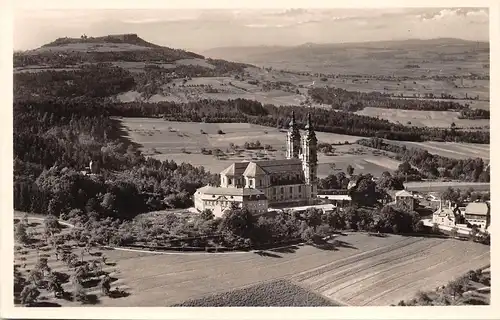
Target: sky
210,28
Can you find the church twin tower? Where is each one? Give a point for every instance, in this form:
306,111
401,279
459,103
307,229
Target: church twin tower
303,148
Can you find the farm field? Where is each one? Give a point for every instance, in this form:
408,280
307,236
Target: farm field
357,270
183,141
451,149
438,186
441,119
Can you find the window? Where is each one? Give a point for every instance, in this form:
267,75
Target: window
300,188
291,189
281,189
260,183
274,190
251,182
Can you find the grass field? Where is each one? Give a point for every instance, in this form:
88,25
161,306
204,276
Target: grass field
183,141
451,149
358,270
442,119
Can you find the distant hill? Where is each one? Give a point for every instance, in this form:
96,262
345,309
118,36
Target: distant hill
125,50
432,49
111,48
117,38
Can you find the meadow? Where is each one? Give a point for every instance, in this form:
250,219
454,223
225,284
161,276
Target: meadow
440,119
183,142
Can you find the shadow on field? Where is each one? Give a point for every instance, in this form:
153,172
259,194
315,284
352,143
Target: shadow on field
115,294
476,302
328,246
91,299
268,254
45,304
343,244
120,133
290,249
379,235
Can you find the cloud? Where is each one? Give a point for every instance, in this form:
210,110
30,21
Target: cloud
453,13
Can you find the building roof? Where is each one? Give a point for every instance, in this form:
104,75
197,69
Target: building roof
479,208
338,197
254,170
277,166
328,206
229,191
403,193
235,169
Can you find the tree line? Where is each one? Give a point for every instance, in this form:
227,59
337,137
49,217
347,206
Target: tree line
341,99
432,165
243,110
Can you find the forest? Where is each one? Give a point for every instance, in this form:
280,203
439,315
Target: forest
53,145
341,99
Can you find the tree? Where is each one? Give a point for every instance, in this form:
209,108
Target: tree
239,222
105,285
454,232
20,233
405,168
42,265
435,228
456,287
29,295
350,170
365,192
54,284
51,225
330,182
207,214
35,276
451,195
313,217
79,293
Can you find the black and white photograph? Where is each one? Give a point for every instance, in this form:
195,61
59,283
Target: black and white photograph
286,156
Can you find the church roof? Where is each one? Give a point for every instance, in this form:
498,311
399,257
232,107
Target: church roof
254,170
277,166
236,169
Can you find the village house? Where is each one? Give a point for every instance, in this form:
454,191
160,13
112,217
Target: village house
478,214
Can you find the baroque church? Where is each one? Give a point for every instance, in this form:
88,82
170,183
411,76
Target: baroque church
259,185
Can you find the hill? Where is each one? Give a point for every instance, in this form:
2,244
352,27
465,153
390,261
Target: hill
129,50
